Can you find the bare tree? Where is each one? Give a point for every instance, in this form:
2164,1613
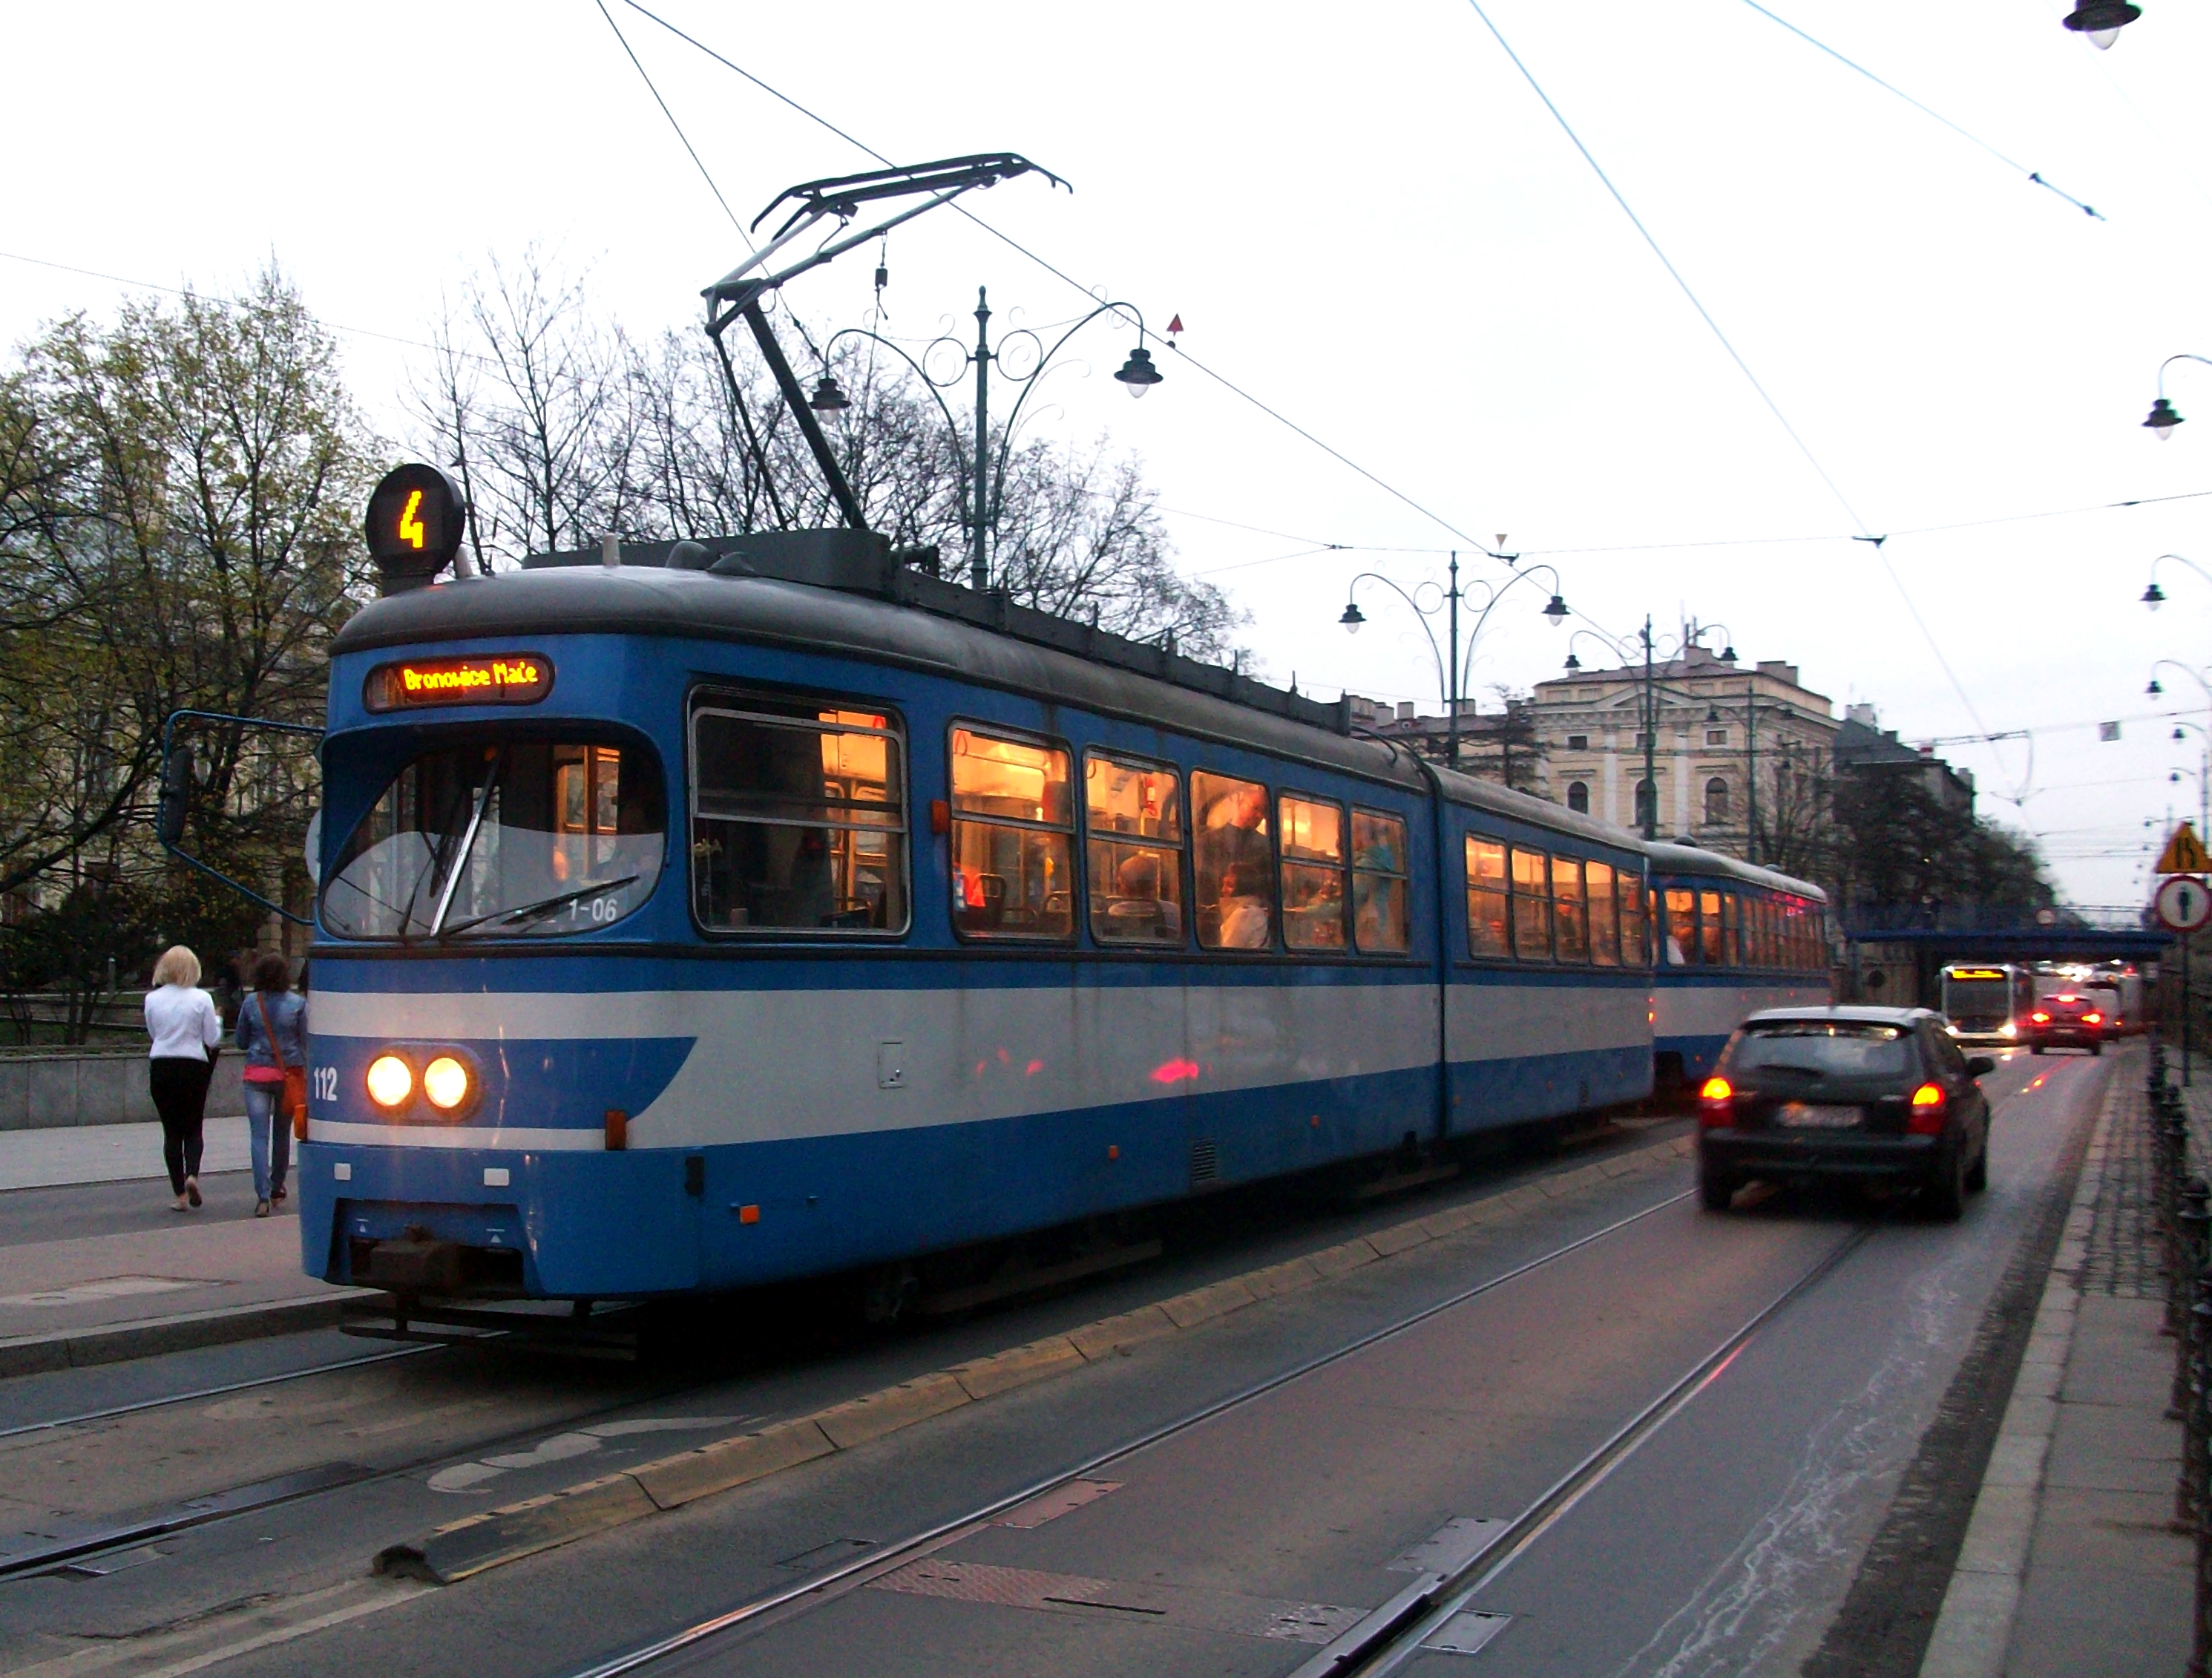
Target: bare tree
564,429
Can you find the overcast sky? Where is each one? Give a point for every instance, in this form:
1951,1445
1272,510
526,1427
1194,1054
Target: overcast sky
1368,221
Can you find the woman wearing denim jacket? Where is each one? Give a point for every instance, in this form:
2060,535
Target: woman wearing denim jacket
269,1011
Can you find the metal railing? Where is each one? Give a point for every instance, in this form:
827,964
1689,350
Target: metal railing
2183,1205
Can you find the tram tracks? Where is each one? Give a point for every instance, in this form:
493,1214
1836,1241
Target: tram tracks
1389,1633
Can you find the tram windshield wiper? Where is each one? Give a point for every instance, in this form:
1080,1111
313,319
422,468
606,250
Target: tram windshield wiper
542,906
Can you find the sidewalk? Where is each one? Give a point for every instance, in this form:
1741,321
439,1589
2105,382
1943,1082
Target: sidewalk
204,1279
2071,1564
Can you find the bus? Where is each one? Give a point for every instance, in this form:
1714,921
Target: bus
1987,1001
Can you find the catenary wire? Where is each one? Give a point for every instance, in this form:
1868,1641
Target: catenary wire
689,149
1742,366
1926,110
1474,544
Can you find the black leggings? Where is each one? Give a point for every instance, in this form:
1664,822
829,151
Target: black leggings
180,1087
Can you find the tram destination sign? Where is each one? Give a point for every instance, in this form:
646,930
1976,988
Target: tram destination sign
495,679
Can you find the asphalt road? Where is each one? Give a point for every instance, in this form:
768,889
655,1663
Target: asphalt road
1726,1543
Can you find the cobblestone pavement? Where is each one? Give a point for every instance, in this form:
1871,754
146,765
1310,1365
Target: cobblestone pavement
2123,1251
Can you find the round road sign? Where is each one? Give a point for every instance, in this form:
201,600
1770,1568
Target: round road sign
2183,903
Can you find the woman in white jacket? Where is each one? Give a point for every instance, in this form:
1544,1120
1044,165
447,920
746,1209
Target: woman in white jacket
181,1019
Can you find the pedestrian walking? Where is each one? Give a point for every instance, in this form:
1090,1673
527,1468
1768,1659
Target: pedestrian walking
181,1018
272,1036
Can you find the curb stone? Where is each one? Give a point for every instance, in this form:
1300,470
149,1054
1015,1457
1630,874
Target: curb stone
1974,1632
479,1542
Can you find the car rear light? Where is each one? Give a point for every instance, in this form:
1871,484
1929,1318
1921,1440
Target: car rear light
1929,1102
2093,1020
2040,1018
1714,1100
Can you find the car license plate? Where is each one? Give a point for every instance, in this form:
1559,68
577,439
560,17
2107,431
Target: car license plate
1805,1116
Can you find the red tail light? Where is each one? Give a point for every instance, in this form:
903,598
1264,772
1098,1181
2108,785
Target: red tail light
2093,1020
2040,1017
1713,1101
1929,1102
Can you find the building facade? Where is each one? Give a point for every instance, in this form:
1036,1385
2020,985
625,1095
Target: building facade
1738,762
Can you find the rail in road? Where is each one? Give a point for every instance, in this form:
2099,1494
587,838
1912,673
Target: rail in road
1671,1425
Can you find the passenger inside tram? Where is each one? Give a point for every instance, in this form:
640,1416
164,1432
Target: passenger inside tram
1235,864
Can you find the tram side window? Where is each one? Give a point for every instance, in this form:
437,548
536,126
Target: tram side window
1313,873
1489,910
1709,929
1635,919
1135,824
798,818
1604,914
1731,929
1235,863
1680,942
1532,905
1571,923
1013,838
1380,918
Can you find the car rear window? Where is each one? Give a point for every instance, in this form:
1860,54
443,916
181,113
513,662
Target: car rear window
1831,1048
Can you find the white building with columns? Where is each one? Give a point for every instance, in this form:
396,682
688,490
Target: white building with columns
1731,745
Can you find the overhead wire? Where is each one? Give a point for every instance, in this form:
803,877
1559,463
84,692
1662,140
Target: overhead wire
1473,543
1843,500
1926,110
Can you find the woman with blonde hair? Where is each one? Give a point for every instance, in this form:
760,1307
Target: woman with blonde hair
181,1018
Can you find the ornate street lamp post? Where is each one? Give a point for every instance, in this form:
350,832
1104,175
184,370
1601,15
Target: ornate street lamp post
2153,596
983,487
1452,661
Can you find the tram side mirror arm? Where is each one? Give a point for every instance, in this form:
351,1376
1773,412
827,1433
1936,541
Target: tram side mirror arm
180,780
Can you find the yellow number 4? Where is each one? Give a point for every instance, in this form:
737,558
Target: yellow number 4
411,527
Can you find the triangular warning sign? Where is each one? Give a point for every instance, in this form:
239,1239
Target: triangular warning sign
2185,853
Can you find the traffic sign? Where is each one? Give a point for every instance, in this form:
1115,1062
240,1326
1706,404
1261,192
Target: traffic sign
2185,853
2183,903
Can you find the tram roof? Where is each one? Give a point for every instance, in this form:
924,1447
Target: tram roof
1673,859
920,622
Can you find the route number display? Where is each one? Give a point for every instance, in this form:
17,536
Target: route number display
417,517
2183,903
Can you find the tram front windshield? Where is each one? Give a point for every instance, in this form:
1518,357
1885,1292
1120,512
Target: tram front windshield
528,839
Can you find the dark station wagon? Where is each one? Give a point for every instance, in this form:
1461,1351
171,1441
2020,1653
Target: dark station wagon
1870,1095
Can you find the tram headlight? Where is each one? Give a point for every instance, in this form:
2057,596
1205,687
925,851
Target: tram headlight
391,1080
445,1084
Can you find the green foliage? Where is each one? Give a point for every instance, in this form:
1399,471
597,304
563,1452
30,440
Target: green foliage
179,493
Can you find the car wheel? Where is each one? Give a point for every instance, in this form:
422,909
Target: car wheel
2096,1049
1946,1197
1714,1190
2035,1048
1977,1175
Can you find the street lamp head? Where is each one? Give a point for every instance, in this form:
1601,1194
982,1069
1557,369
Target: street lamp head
1138,372
2154,597
1573,664
1728,655
1352,618
2102,19
2178,734
828,397
1712,713
2162,419
2152,688
1556,613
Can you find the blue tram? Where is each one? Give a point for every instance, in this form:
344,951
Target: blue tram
693,917
1733,938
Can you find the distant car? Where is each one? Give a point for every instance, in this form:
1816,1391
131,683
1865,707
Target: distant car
1866,1095
2067,1020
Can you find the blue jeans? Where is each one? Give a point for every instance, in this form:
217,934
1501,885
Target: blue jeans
264,1126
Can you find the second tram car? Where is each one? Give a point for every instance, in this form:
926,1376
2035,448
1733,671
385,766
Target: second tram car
1732,938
